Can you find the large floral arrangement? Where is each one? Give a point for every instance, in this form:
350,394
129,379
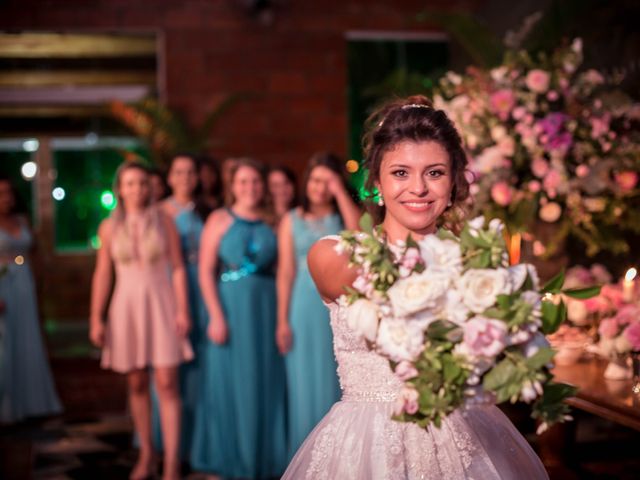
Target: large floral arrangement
457,323
549,143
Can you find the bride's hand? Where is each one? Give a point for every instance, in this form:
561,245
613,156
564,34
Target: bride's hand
284,338
217,330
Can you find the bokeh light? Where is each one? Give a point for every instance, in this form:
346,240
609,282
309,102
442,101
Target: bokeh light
29,170
108,200
58,193
352,166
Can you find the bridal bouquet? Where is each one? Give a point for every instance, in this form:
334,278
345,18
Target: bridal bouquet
458,324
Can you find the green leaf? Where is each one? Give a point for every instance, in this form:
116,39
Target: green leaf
582,293
552,316
502,374
366,223
555,284
451,370
540,358
440,330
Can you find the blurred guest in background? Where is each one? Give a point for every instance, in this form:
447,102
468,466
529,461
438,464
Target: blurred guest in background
158,188
240,425
148,316
210,181
303,331
282,188
26,385
188,211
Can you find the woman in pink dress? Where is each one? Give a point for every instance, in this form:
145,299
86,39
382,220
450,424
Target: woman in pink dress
416,161
148,316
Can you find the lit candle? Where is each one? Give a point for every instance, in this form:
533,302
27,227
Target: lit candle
628,285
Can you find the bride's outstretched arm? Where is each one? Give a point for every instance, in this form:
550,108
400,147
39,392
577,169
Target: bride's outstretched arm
330,271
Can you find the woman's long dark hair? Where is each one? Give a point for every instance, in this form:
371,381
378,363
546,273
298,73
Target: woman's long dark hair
200,206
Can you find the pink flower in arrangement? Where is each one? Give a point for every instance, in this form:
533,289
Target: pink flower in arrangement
608,328
613,294
501,193
363,285
628,315
632,334
552,95
407,401
406,370
582,171
484,337
599,127
539,167
626,180
519,113
502,102
597,304
409,261
538,81
552,181
534,186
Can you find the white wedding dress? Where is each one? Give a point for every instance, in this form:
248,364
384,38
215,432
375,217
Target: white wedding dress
357,439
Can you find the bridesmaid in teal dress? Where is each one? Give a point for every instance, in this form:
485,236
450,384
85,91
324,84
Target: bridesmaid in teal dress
304,333
27,388
240,422
188,212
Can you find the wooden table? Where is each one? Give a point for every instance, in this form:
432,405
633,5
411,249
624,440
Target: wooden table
610,399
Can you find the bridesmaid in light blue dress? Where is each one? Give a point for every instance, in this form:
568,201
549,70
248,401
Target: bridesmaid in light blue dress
240,422
304,333
26,384
187,212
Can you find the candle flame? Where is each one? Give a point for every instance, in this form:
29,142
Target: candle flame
630,275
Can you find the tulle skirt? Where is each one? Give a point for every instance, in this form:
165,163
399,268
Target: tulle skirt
358,440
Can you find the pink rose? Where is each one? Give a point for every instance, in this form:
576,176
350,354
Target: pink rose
628,315
552,95
501,193
406,370
632,334
599,127
582,171
484,337
552,180
407,401
502,102
537,81
608,328
597,304
626,180
534,186
539,167
519,113
613,294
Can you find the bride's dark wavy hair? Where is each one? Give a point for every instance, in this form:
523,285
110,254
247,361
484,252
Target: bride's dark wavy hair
414,119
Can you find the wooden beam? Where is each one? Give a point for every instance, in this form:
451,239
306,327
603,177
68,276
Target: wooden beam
57,45
40,78
53,111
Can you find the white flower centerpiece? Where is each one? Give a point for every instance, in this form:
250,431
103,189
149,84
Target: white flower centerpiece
457,323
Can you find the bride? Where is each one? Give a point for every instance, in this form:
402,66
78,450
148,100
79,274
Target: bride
416,161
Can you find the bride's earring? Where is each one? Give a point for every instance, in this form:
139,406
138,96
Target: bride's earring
380,201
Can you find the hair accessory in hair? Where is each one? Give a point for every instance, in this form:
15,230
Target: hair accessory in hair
415,105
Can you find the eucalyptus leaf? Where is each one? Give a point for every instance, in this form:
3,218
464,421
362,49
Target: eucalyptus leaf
582,293
555,284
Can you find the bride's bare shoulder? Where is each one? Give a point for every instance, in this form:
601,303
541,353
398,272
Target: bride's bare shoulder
330,269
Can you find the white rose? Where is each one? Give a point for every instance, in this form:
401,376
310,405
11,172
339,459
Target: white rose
481,286
441,255
477,223
454,308
417,292
496,225
400,340
576,311
362,318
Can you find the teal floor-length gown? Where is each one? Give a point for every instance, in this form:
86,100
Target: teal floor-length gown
240,423
189,226
312,381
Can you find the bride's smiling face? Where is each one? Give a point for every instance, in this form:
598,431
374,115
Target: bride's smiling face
415,182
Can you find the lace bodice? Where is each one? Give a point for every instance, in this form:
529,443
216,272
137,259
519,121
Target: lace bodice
364,375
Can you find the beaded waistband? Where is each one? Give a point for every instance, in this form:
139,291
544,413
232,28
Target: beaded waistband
371,397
